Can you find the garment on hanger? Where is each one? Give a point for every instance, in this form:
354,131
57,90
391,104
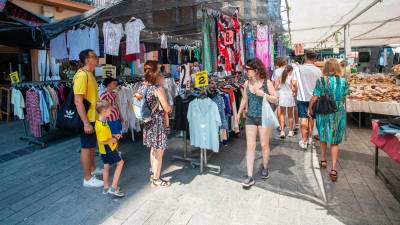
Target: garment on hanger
33,114
263,48
94,39
132,30
58,47
164,41
73,43
206,43
185,76
204,123
18,102
112,36
299,49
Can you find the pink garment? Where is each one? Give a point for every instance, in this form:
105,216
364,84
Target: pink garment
389,144
262,45
33,114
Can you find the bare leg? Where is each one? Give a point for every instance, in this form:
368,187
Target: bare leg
106,175
158,157
278,112
324,146
290,117
310,127
296,116
251,136
86,163
117,173
304,128
92,160
152,160
281,117
334,155
264,134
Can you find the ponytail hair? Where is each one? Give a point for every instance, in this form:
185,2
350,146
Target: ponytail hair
285,73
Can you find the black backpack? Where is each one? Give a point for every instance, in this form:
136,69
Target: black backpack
67,115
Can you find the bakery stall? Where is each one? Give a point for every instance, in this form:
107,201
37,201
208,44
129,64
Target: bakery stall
373,94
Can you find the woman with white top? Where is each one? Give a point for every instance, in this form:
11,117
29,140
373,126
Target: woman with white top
287,102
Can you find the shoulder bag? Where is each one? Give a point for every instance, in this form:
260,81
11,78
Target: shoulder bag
325,104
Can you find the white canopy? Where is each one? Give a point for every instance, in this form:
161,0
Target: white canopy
316,21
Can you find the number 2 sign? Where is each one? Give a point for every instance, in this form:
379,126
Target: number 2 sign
201,79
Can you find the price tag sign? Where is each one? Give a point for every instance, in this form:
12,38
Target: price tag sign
109,71
228,39
201,79
14,77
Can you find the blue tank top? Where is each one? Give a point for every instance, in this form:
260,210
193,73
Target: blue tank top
255,103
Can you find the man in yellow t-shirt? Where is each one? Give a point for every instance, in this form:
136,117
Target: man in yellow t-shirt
85,88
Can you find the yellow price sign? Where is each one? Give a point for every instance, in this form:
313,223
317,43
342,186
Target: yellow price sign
201,79
14,77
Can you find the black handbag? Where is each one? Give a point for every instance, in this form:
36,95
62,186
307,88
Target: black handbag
68,117
325,104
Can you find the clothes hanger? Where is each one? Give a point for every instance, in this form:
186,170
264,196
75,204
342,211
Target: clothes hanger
132,19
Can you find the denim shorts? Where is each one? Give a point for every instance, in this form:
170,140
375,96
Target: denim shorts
111,157
302,109
250,120
89,140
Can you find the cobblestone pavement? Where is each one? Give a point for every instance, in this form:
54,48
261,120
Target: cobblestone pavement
45,187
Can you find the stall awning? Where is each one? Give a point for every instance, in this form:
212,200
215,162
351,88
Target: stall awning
315,22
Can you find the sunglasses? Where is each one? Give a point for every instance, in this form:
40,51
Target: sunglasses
248,68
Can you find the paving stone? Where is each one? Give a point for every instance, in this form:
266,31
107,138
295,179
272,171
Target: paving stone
5,212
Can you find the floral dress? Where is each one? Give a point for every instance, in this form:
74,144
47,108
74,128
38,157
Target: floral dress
331,127
155,132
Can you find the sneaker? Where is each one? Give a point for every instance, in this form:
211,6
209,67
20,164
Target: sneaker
297,128
282,136
116,193
93,182
97,172
291,134
303,145
105,191
310,141
248,182
264,173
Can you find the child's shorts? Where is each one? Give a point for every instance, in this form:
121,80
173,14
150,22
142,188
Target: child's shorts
111,157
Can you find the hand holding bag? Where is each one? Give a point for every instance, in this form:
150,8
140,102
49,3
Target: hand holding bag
268,116
325,104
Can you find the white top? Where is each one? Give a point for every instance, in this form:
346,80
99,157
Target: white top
132,30
306,77
164,42
277,73
17,100
94,39
112,36
73,43
58,47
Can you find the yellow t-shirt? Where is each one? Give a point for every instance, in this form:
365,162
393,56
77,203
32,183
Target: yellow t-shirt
85,84
103,133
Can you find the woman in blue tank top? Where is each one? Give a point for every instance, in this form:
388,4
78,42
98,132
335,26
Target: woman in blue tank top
257,86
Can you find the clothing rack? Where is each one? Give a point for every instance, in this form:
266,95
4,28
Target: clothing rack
27,136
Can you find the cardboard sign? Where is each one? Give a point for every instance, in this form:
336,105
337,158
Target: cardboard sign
228,39
14,77
109,71
201,79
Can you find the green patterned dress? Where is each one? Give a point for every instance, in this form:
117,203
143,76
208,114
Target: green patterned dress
331,127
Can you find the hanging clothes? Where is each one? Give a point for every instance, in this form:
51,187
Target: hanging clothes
164,41
263,48
250,48
112,36
58,47
206,43
132,30
18,102
33,114
204,123
94,39
299,49
73,44
213,42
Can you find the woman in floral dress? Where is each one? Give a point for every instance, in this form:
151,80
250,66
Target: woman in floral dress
331,127
156,130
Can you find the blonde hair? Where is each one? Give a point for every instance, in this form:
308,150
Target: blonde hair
332,67
102,105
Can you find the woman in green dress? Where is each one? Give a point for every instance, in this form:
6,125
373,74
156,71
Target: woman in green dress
331,127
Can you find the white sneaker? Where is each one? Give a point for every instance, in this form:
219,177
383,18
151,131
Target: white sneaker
303,145
93,182
291,134
97,172
310,141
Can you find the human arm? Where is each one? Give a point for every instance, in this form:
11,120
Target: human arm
80,107
162,97
243,102
271,96
109,141
316,94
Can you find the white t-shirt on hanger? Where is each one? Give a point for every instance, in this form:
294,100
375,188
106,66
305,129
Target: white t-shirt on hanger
164,42
132,31
112,36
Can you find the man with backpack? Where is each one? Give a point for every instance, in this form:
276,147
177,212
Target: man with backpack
85,90
304,81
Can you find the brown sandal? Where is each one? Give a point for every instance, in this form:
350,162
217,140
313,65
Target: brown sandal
323,164
333,175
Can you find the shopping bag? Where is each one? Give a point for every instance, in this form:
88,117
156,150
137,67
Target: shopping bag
268,116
